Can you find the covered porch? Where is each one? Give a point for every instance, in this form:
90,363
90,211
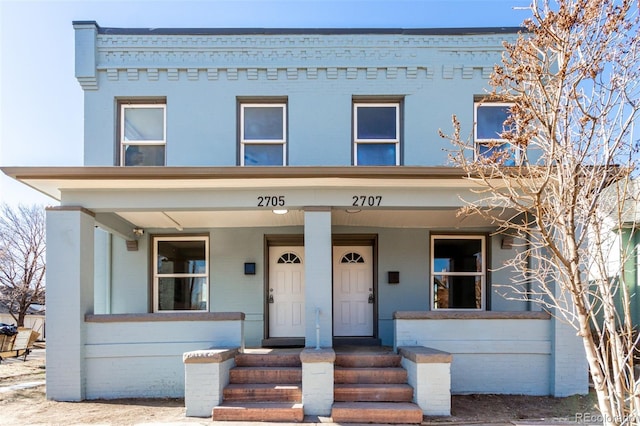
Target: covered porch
107,306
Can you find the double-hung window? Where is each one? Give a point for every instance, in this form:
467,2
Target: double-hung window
490,118
376,132
458,271
263,134
142,134
180,273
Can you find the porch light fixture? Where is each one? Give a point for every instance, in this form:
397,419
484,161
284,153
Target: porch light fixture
281,211
138,232
352,211
507,243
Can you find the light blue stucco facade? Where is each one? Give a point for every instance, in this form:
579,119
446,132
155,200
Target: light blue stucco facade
201,77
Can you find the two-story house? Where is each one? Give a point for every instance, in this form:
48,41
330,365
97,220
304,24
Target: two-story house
282,187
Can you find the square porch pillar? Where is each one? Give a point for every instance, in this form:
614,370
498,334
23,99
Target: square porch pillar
70,256
317,272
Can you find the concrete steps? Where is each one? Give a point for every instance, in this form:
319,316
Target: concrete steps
372,388
263,387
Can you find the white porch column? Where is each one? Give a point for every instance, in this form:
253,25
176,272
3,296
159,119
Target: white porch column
70,249
317,275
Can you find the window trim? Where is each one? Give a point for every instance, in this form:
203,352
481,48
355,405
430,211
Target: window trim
282,141
357,140
123,105
482,274
478,141
155,275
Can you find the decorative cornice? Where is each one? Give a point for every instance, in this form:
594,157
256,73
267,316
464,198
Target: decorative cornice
266,56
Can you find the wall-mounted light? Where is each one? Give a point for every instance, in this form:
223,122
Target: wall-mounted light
507,243
393,277
138,232
281,211
250,268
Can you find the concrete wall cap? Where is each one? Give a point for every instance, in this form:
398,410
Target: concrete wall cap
468,315
424,355
172,316
209,355
317,355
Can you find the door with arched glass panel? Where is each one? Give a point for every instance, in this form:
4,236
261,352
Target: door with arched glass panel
353,297
286,292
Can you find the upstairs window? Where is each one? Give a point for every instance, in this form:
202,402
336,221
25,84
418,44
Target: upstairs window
376,134
490,118
263,134
458,272
142,134
181,273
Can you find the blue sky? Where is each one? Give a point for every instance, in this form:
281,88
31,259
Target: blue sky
41,103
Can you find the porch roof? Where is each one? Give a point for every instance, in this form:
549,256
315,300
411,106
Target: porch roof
53,181
125,198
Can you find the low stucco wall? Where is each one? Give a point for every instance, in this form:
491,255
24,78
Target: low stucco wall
141,355
493,352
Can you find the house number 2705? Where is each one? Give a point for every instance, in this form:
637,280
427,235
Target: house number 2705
271,201
366,200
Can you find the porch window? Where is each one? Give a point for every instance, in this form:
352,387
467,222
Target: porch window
142,134
458,271
376,130
263,134
490,119
181,273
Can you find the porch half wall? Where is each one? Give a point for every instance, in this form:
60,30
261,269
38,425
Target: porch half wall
134,355
493,352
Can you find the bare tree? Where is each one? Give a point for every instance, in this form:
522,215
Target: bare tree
22,259
573,81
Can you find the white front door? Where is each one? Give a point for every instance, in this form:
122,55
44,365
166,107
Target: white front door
286,292
353,291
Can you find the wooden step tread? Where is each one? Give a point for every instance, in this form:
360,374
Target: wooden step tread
265,375
268,360
379,392
370,375
263,392
376,412
259,412
368,360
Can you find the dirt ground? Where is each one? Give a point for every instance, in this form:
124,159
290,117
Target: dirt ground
30,407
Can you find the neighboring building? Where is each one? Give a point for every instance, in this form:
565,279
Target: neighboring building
296,192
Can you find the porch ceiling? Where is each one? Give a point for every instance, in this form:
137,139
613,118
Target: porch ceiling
432,219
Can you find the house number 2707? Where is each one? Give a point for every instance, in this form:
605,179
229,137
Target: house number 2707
271,201
366,200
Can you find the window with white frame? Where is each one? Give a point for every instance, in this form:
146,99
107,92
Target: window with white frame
180,273
376,131
458,272
490,118
142,134
263,134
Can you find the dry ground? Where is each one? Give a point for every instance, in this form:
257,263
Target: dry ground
30,407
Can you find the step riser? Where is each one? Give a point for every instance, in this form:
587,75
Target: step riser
368,361
265,376
361,375
222,413
256,360
263,395
376,413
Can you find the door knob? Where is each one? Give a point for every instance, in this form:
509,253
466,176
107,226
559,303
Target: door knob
371,298
270,299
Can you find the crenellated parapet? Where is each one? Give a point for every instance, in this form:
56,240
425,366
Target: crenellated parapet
284,54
